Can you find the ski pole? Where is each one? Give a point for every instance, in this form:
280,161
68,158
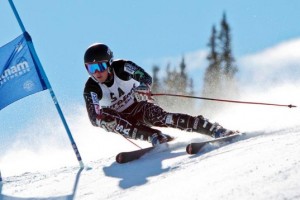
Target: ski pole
224,100
102,116
131,141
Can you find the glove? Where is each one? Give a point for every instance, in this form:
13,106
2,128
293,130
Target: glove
142,93
106,121
109,126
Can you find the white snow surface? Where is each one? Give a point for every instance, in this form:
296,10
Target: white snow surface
263,165
266,165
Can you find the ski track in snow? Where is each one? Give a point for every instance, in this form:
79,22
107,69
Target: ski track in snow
264,165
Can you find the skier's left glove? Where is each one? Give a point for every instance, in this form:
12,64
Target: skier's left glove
142,93
109,126
107,120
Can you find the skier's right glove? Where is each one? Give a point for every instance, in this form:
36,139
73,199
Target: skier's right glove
142,93
107,120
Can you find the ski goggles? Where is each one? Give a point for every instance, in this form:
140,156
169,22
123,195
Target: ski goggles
93,67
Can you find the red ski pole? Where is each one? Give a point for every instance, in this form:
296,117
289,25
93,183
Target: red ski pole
131,141
224,100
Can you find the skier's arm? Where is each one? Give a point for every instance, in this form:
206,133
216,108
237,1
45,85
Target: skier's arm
138,73
128,69
100,117
92,93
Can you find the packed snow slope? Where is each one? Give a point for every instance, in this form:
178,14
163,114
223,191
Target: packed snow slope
263,165
41,164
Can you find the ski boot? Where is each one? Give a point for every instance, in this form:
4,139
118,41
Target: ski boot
215,130
219,131
160,138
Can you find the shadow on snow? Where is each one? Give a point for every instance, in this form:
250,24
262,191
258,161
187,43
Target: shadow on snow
66,197
136,173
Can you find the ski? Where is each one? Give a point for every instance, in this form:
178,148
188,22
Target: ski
129,156
194,148
125,157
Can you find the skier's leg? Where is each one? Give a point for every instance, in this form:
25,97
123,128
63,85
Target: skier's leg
142,132
154,136
197,124
156,116
130,128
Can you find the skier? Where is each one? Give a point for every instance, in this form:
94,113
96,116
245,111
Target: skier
118,99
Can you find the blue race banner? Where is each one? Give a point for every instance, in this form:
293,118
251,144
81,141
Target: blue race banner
19,75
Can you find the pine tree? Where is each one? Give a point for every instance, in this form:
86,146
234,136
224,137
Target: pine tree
212,80
191,87
155,81
228,67
169,87
212,77
226,58
177,82
182,78
219,78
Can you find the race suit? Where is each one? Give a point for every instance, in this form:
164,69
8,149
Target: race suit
114,100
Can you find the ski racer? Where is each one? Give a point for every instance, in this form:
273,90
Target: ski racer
118,99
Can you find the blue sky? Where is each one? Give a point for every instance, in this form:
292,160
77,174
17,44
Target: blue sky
146,32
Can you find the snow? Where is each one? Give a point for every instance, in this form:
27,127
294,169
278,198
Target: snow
265,165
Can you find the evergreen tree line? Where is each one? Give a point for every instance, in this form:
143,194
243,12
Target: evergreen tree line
219,78
175,82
